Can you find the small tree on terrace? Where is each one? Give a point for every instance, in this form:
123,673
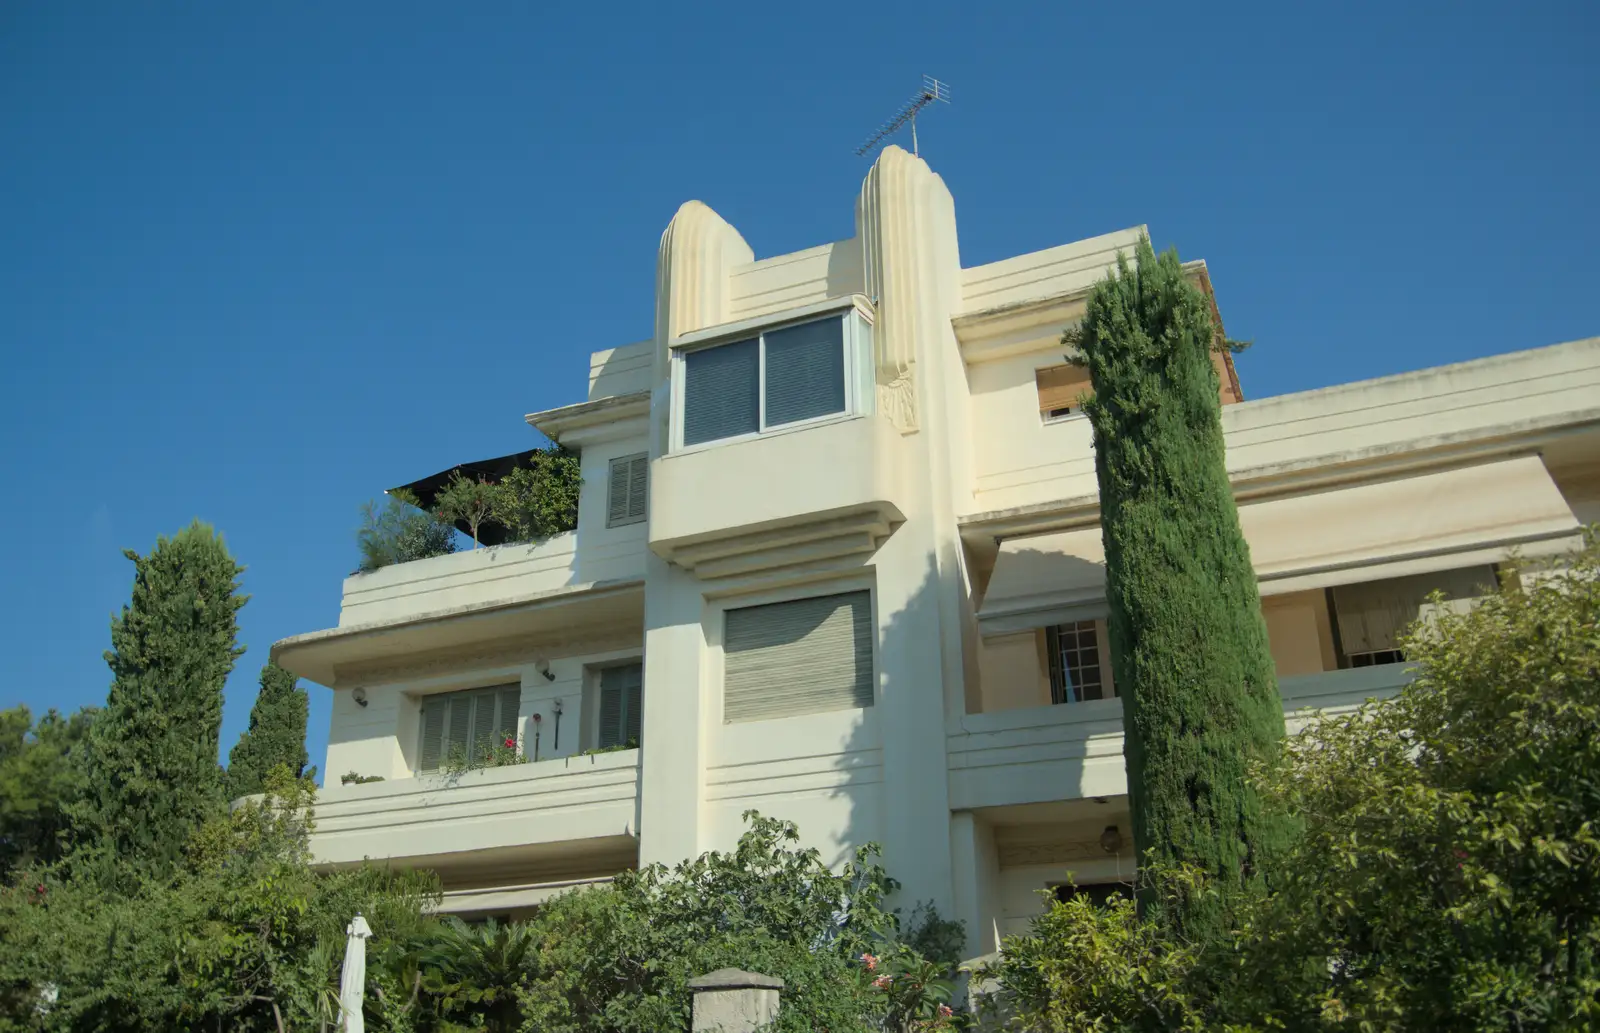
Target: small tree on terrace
469,500
1188,642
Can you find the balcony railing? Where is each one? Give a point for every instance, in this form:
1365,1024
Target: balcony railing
583,799
1074,750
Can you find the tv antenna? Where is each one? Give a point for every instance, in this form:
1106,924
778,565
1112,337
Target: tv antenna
932,90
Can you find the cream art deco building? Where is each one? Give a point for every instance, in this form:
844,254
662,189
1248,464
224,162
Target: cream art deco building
837,560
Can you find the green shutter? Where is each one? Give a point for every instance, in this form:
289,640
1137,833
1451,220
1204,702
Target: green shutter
510,704
431,753
621,705
800,657
458,730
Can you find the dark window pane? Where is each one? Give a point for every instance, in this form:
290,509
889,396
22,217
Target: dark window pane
805,371
720,392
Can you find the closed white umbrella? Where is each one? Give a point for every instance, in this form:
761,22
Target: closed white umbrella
353,979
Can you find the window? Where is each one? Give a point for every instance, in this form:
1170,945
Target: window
779,378
1060,390
1076,671
1377,658
1371,618
625,493
1097,893
801,657
621,706
462,725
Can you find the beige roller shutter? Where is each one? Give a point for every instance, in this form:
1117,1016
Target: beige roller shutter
1060,388
1374,615
799,657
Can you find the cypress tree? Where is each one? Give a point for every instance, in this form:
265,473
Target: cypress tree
276,736
1188,641
151,771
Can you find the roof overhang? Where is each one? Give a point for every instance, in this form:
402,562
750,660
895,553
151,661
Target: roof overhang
554,621
616,416
1433,521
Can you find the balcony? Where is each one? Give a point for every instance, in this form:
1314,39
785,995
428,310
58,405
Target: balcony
530,818
1074,750
462,579
781,499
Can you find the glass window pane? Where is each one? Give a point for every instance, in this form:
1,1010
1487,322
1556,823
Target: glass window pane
805,371
720,388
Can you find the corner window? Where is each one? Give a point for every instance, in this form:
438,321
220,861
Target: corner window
462,727
1080,666
1061,390
779,378
801,657
625,490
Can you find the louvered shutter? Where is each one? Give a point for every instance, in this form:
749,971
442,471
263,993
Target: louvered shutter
611,708
721,392
805,371
510,704
625,490
432,750
483,723
458,731
800,657
621,705
638,485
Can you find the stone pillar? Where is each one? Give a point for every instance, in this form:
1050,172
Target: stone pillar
731,1001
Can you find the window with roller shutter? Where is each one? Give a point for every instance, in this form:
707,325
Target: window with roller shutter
1373,616
461,724
621,710
805,656
782,377
625,492
1061,391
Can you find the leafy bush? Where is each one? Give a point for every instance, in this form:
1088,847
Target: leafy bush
541,499
401,532
245,936
619,958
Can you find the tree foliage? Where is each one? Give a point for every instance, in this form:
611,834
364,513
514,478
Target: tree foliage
151,776
41,773
470,500
401,532
1188,642
276,736
1448,875
619,958
244,936
540,499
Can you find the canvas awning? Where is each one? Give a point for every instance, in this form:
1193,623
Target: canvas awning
1419,524
427,489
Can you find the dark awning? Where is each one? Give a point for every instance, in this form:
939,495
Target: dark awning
491,470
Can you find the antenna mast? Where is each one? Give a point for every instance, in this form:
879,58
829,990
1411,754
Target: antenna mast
932,90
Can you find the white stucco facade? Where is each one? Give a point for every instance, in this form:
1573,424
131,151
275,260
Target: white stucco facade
956,516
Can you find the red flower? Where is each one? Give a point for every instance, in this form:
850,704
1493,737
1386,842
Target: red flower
511,743
869,960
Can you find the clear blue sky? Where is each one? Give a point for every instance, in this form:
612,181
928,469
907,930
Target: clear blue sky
260,261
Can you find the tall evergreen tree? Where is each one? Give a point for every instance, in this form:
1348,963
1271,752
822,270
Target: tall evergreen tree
1188,642
151,771
276,736
41,773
